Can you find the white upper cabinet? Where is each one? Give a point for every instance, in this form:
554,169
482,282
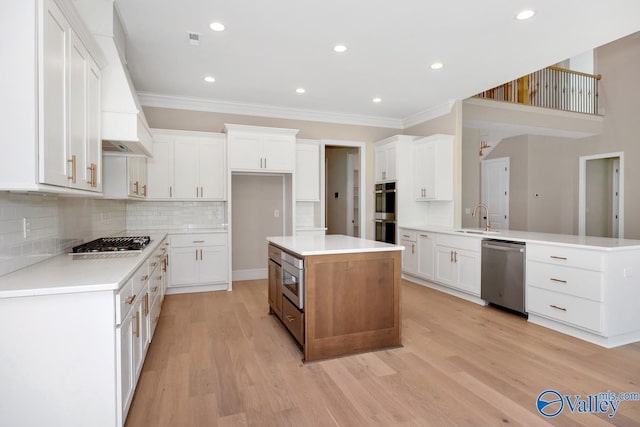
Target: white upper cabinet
125,177
261,149
433,168
187,166
385,169
51,100
307,171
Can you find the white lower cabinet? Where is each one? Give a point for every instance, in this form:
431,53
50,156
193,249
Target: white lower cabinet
425,255
417,257
198,260
410,253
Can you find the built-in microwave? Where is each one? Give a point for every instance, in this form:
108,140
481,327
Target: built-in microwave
293,279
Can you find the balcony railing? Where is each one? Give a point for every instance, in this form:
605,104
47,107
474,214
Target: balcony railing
551,87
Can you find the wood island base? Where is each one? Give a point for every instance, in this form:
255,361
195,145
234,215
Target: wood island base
351,304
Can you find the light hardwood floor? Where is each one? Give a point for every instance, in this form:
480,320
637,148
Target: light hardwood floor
218,359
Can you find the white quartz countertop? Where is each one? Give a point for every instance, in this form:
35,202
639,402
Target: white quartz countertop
66,274
588,242
331,244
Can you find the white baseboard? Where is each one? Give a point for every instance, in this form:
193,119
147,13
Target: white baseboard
252,274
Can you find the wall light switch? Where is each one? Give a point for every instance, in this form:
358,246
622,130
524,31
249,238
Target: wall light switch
467,211
276,213
627,272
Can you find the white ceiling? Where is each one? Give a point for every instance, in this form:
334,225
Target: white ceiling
270,48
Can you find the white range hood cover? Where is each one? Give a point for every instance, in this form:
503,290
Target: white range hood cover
124,126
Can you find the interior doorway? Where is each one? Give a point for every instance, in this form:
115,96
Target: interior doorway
343,187
495,191
601,187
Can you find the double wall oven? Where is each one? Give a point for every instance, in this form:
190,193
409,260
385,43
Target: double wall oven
385,215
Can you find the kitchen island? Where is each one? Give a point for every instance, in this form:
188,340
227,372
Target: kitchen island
349,292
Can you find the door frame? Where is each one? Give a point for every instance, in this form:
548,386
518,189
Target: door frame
582,191
361,146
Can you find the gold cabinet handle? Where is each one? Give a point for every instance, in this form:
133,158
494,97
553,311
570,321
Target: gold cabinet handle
167,262
563,258
136,186
406,236
455,256
170,191
153,264
137,317
130,299
290,318
144,190
73,168
198,241
451,256
145,304
200,254
424,235
144,278
413,248
557,307
558,280
196,254
93,179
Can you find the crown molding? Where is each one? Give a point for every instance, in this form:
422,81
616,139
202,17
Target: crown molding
428,114
150,99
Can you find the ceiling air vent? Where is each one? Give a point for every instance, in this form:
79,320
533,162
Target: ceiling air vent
194,38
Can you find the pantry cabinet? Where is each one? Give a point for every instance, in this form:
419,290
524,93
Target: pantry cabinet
187,166
50,99
433,168
261,149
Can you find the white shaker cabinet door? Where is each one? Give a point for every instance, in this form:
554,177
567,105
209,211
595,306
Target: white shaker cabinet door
186,169
213,264
425,255
245,152
53,142
279,153
124,343
307,171
212,170
78,64
184,268
160,171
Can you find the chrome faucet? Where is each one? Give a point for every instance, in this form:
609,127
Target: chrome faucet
487,227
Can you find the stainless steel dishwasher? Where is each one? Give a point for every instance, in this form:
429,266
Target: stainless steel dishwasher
502,278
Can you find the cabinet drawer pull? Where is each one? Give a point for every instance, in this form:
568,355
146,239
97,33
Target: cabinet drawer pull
406,236
558,280
130,299
145,305
424,235
198,241
563,258
455,256
557,307
73,168
451,256
155,288
290,318
144,278
153,264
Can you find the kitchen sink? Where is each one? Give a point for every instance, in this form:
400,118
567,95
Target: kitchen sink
477,231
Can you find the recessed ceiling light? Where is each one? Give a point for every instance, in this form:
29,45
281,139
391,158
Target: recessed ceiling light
340,48
436,65
525,14
300,90
217,26
376,100
209,79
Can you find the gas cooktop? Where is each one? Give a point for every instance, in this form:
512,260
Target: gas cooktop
113,244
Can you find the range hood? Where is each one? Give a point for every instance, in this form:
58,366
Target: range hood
124,126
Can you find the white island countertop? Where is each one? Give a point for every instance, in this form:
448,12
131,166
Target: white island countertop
330,244
585,242
66,274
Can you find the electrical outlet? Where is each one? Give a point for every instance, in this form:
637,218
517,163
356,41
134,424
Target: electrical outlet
26,228
467,211
276,213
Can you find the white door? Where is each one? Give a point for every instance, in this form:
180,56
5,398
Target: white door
495,192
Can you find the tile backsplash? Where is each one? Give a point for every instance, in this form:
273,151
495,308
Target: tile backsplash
175,215
54,225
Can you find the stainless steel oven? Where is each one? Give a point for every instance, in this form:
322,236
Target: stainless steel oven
386,201
293,279
385,215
